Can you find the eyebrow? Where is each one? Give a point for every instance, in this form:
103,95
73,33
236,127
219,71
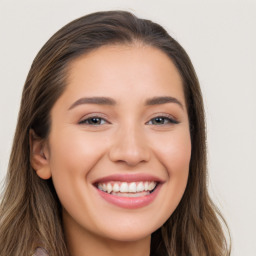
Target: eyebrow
111,102
163,100
94,100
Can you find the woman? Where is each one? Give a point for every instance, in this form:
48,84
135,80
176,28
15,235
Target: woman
109,155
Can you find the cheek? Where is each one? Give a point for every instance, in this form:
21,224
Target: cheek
75,152
174,152
72,157
175,157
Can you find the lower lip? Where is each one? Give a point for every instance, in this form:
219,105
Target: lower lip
130,202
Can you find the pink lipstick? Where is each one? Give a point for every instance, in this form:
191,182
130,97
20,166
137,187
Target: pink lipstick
129,191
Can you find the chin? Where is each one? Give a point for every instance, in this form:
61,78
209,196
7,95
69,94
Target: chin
129,236
131,231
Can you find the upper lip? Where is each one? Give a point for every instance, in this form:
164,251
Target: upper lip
128,178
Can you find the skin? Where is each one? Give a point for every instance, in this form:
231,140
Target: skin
127,140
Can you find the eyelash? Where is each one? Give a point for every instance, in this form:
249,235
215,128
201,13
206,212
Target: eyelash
168,120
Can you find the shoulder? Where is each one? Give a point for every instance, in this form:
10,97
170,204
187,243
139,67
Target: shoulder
40,252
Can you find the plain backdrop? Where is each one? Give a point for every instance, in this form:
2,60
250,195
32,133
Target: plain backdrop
220,38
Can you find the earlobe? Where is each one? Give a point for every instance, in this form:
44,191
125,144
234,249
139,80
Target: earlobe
39,156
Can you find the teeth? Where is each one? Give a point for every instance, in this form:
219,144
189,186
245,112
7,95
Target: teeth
140,187
109,188
151,186
100,187
132,187
125,187
146,186
116,188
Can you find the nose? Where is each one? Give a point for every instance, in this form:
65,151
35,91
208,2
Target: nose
130,147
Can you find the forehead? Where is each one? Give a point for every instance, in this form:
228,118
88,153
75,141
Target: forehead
115,70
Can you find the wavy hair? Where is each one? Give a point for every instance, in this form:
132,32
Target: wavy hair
30,211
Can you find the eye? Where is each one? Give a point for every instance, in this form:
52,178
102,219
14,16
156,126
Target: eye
162,120
95,120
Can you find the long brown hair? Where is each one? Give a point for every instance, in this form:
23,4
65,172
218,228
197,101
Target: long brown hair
30,213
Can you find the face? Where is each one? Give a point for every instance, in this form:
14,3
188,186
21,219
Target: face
119,146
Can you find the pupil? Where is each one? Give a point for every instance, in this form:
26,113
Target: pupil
159,120
95,120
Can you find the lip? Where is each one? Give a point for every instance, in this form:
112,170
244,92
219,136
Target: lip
129,202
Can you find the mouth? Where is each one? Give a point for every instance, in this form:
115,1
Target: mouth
128,191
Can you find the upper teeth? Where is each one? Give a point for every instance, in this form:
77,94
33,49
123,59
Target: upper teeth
126,187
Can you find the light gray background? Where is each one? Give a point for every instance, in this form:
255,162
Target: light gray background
220,38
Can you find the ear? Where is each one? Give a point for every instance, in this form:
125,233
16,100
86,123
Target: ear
39,156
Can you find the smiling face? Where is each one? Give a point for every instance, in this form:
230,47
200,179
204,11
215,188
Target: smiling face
119,147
